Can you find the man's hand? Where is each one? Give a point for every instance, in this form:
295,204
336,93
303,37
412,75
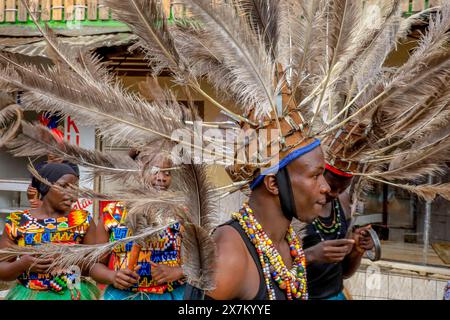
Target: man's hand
363,240
330,251
163,273
124,278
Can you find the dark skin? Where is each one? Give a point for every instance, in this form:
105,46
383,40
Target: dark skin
55,204
124,278
237,275
347,251
32,193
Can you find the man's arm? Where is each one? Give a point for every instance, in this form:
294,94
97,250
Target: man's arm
230,265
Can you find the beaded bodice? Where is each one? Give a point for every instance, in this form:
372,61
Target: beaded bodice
27,231
163,248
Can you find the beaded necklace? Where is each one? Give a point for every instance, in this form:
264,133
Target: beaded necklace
334,227
293,281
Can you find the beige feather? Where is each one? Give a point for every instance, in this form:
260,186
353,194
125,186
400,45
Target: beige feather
65,256
198,265
37,140
251,69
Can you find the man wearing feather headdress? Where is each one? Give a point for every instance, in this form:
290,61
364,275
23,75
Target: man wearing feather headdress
259,255
330,256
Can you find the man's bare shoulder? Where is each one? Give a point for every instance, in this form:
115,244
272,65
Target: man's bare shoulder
228,238
232,263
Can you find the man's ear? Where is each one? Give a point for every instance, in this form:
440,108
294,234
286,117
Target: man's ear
270,181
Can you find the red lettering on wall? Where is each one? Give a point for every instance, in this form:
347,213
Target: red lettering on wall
72,125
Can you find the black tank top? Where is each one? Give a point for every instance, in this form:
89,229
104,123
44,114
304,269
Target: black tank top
262,293
324,280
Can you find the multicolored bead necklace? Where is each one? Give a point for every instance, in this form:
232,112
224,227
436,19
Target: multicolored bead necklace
334,227
293,281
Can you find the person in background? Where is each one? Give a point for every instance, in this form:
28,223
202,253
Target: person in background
34,198
157,273
330,256
53,222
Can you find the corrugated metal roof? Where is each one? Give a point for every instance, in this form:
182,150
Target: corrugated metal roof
69,29
8,41
36,46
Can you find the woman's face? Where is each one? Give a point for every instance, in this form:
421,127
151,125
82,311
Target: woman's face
59,199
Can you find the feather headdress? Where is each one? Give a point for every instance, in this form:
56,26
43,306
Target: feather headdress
397,130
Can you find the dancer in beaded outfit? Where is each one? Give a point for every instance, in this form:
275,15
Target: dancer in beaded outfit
53,222
155,273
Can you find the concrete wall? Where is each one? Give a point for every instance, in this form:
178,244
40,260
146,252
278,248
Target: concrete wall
440,218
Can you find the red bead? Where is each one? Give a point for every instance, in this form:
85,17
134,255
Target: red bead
294,253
